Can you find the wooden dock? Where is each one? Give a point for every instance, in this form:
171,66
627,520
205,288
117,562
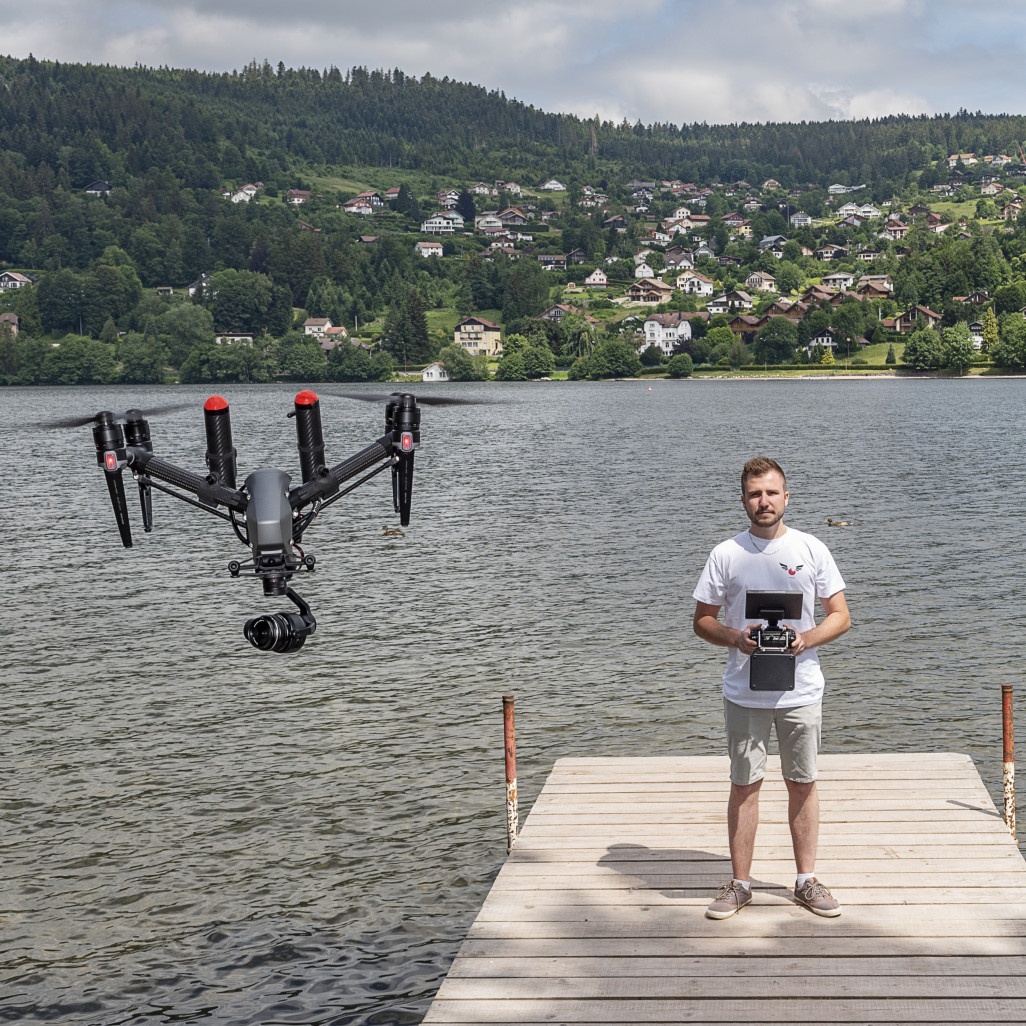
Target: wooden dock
598,914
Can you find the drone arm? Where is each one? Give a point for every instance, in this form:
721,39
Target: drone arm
213,494
324,485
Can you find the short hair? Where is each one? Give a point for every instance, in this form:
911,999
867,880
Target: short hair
759,465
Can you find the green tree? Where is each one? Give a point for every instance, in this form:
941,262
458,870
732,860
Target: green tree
680,366
957,345
991,330
775,343
1010,349
891,358
142,360
738,354
652,356
183,326
923,350
538,361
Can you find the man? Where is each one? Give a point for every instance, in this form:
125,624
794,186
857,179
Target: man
771,557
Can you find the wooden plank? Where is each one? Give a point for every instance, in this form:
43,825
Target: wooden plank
598,914
729,1010
812,964
798,986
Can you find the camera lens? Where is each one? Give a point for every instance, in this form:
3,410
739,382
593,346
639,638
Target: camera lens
277,632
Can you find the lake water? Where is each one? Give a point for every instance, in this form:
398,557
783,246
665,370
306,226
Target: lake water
193,831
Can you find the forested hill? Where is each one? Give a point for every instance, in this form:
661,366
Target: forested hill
71,124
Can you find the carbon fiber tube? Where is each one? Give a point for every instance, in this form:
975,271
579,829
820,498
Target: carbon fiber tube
321,487
216,494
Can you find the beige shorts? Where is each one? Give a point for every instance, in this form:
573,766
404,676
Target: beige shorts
748,734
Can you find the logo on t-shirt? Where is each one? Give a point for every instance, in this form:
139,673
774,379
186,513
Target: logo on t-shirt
784,566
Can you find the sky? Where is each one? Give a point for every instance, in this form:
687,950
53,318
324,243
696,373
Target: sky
676,61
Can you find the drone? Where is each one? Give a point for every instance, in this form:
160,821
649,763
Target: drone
267,515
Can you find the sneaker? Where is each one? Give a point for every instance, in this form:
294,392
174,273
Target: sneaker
815,897
732,897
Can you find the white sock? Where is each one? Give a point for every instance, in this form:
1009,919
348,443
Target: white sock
804,878
743,883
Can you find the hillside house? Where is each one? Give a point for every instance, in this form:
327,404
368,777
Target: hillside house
650,291
479,337
445,222
99,188
435,372
664,331
428,249
13,280
552,261
316,326
298,196
9,324
906,322
761,281
597,279
552,185
693,283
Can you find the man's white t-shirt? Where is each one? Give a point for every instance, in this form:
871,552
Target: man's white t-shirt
795,561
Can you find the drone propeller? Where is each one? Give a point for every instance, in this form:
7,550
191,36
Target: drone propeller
74,422
422,400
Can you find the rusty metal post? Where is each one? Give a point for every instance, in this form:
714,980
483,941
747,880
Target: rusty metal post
512,805
1009,756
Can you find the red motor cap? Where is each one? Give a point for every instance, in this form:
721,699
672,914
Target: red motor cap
306,398
216,402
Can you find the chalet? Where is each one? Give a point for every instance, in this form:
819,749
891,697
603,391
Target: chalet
643,270
511,187
664,331
560,310
305,226
428,249
227,338
483,189
447,198
991,189
894,229
793,311
799,219
769,184
1011,210
649,290
975,333
298,196
679,257
597,279
966,159
733,220
868,255
772,242
552,261
392,194
97,189
9,324
553,185
907,321
358,206
165,290
694,284
435,372
839,280
617,222
332,338
977,298
746,325
198,285
883,282
577,256
13,280
498,249
488,221
369,240
728,260
761,281
479,337
831,252
512,215
316,326
445,222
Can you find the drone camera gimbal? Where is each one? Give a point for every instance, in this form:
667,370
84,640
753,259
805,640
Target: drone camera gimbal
275,515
